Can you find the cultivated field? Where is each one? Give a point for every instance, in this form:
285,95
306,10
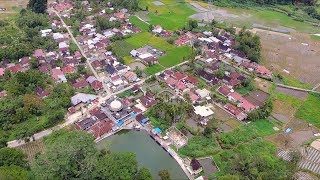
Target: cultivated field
12,6
297,54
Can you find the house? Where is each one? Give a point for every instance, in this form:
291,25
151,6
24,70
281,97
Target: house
157,29
135,88
151,60
224,90
196,167
171,82
193,97
235,111
39,54
110,69
101,127
203,111
3,93
16,68
58,37
96,64
82,98
142,119
2,70
183,40
96,85
179,76
68,69
86,123
25,62
130,76
63,47
42,93
203,93
148,100
81,83
235,97
263,71
181,86
246,105
44,68
58,75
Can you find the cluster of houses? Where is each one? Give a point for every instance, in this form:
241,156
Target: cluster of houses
221,47
147,55
115,74
159,31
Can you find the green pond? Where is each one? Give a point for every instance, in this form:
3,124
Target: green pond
148,152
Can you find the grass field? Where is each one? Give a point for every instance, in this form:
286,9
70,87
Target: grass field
153,69
128,60
173,55
171,16
288,99
310,110
264,127
294,82
314,37
137,22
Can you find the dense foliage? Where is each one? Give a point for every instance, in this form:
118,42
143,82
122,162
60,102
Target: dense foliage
38,6
250,44
13,164
22,112
253,160
199,147
70,155
20,36
167,113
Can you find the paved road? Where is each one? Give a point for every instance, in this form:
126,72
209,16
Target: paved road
82,52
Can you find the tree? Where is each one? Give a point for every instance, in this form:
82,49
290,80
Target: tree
38,6
67,155
32,104
13,172
207,132
164,175
144,174
10,156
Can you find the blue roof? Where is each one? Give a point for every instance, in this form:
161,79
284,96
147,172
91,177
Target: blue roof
120,122
145,120
133,115
157,130
288,130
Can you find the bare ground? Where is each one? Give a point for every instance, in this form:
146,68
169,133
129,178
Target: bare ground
296,55
299,94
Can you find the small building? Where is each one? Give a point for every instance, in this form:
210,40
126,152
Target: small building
196,167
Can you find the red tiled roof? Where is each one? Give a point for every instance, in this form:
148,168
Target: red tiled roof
68,69
192,80
264,71
80,84
193,97
181,86
101,127
224,90
247,106
170,81
2,71
236,96
55,73
96,85
16,68
179,76
233,109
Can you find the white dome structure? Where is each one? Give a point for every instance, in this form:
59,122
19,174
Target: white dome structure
115,105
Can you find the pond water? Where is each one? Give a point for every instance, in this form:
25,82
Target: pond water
148,152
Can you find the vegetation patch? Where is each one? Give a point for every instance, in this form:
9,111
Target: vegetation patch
199,146
138,23
153,69
310,110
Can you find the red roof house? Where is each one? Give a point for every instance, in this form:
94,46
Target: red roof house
179,76
224,90
68,69
101,127
16,68
235,111
96,85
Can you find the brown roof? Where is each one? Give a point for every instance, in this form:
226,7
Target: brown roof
80,84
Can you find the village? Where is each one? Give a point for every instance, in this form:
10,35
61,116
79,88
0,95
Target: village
105,111
114,93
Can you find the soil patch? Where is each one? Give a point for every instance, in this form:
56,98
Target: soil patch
299,94
299,137
257,98
137,64
296,55
208,166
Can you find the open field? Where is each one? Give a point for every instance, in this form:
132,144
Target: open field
12,6
283,53
137,22
172,15
252,17
31,149
153,69
310,110
173,55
